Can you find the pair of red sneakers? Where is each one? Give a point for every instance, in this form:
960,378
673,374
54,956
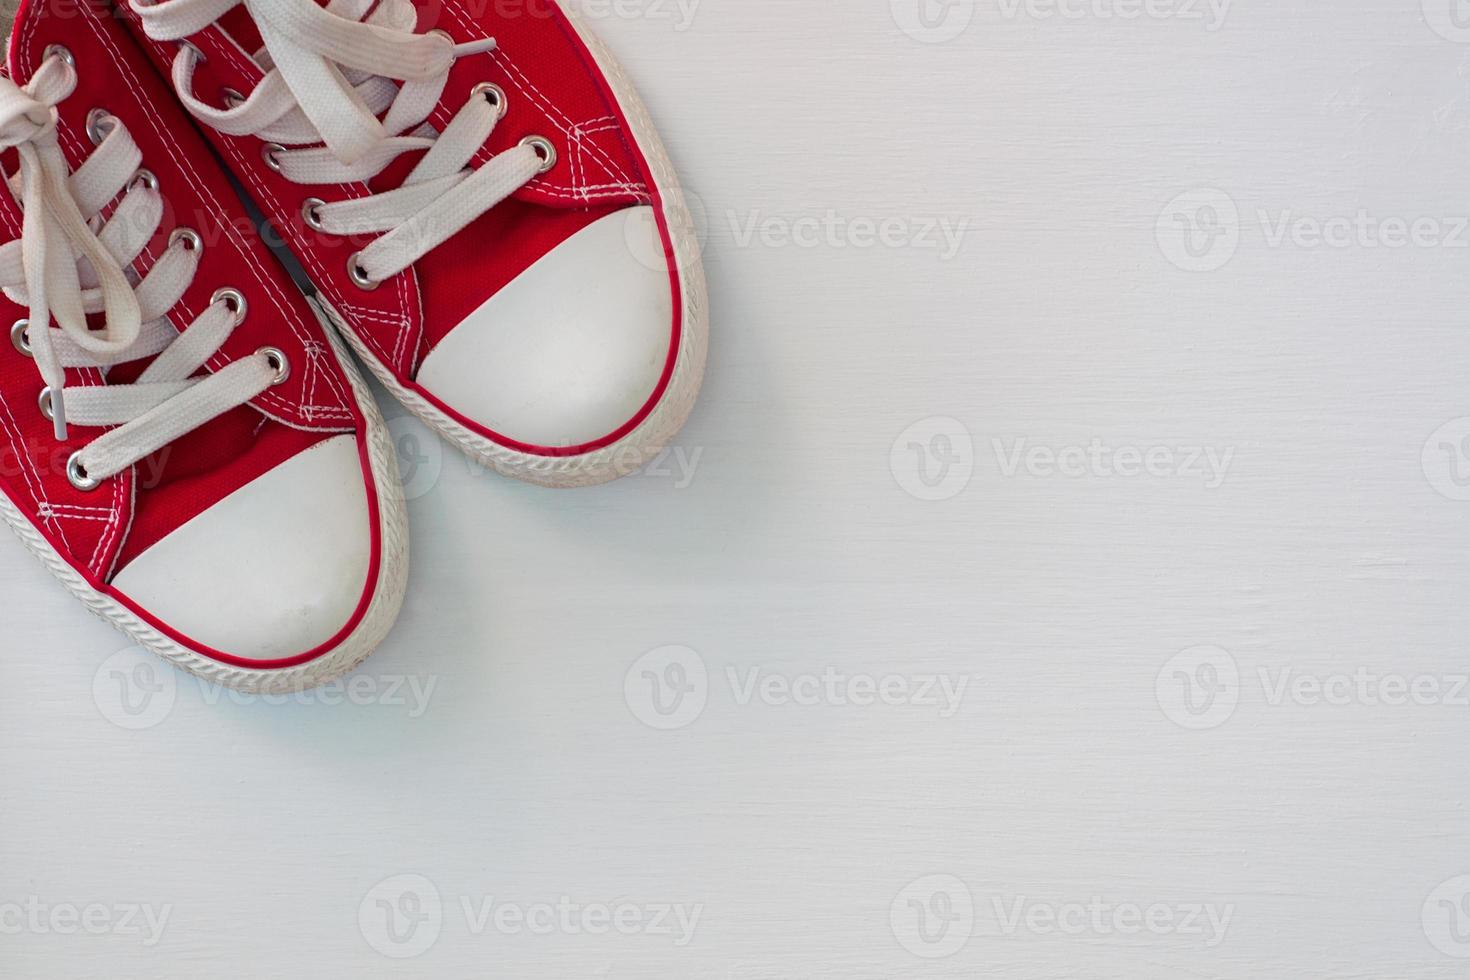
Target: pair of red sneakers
484,214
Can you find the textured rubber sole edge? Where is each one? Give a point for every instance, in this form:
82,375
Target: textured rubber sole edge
639,447
378,620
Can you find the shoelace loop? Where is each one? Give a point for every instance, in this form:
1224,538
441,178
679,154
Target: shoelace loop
54,233
347,90
69,263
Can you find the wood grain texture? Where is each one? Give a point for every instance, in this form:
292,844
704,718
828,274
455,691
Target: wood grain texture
1175,750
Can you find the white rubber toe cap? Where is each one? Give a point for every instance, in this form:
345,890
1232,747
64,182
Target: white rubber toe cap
571,349
274,570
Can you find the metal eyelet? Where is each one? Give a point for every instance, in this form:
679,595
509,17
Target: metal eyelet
543,149
20,338
200,56
268,153
76,473
442,33
231,96
495,95
43,401
234,301
190,238
99,124
59,51
276,358
310,213
359,275
144,178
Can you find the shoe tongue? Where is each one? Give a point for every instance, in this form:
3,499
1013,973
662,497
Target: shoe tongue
238,25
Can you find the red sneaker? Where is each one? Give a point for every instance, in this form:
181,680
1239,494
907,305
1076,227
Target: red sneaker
483,204
184,446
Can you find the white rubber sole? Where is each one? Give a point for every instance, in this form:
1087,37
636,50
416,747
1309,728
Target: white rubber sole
654,433
381,614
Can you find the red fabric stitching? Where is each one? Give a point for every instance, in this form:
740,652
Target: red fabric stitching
202,191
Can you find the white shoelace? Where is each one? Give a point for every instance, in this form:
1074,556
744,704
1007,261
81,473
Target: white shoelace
62,267
331,73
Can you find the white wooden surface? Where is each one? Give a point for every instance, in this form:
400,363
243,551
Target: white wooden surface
1136,663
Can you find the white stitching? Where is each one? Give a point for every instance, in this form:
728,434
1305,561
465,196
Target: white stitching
252,261
306,252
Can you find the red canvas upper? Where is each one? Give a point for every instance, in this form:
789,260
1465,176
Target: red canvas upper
555,89
100,531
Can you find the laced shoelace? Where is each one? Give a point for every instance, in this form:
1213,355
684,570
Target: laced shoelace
331,110
64,268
